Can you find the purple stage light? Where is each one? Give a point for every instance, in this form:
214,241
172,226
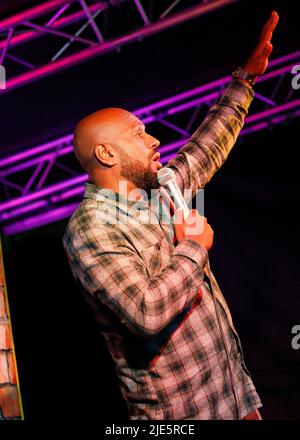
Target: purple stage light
40,220
102,47
46,192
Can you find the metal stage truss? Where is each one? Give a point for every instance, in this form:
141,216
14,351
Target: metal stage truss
86,32
43,197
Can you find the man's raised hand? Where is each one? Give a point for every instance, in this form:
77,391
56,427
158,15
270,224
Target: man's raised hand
258,61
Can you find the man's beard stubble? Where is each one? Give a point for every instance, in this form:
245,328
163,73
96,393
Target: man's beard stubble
134,170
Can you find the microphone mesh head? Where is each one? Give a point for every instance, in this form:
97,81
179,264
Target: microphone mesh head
165,175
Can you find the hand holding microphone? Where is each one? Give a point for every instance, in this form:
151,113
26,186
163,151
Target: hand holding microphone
194,227
188,224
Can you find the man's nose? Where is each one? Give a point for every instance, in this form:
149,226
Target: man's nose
154,143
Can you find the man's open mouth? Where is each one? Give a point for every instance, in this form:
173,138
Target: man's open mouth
155,163
156,157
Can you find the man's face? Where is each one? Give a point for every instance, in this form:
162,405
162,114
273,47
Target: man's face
139,160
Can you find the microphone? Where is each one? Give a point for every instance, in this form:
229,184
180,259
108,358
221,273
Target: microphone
167,178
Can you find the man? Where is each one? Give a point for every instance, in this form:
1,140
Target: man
165,320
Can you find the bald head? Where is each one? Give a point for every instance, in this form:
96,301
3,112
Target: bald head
112,145
101,127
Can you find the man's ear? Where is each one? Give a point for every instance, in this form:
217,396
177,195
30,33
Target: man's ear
105,154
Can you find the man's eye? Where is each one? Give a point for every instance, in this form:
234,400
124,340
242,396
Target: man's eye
139,134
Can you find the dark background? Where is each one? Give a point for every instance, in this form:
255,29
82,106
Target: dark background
64,367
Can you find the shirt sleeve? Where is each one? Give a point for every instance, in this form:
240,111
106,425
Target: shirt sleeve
199,159
117,276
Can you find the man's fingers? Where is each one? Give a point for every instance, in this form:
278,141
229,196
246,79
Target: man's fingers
179,216
269,49
271,24
269,27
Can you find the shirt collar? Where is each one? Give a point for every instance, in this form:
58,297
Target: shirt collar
113,198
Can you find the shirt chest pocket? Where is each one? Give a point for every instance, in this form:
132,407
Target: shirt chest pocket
157,256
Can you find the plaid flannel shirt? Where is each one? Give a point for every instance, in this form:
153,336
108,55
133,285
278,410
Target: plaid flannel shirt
153,300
